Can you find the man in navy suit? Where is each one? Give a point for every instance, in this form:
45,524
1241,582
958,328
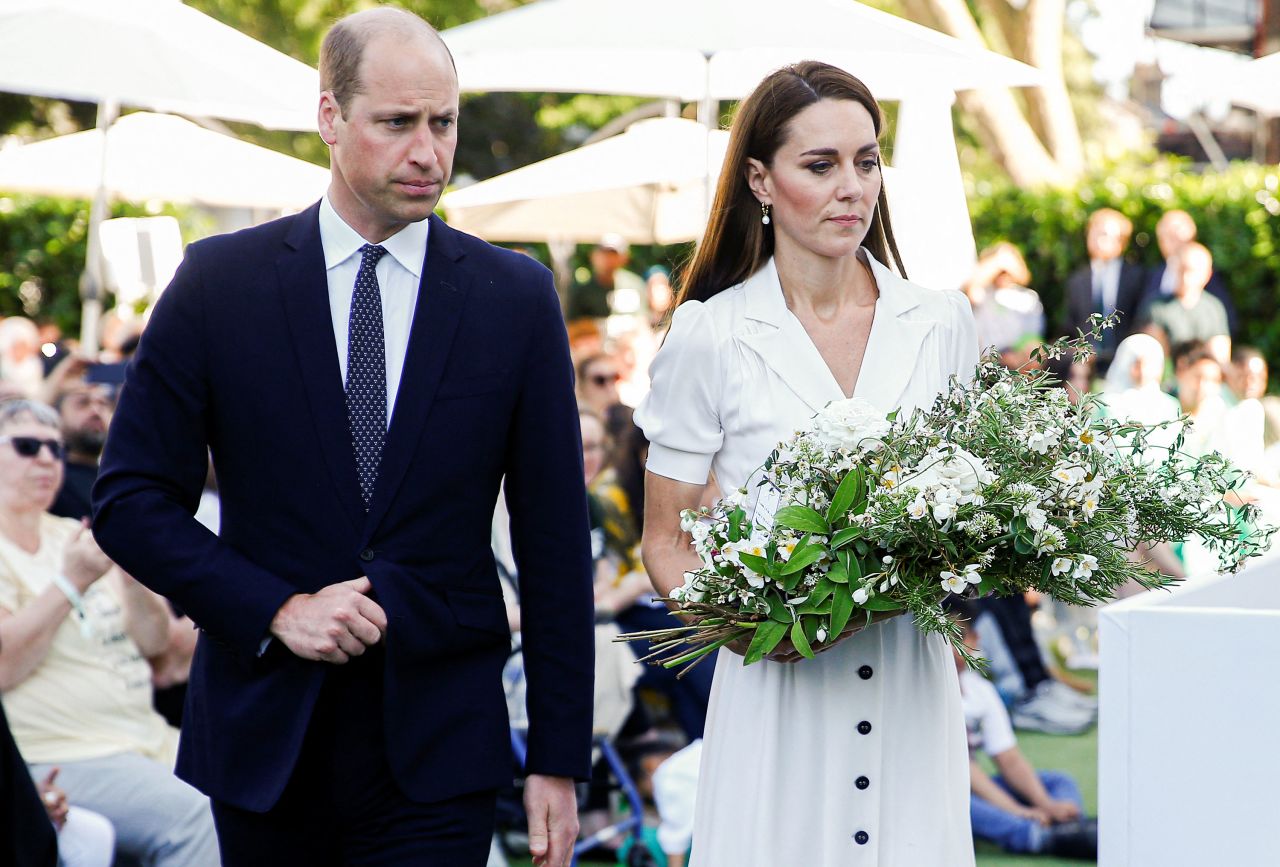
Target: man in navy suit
364,377
1106,285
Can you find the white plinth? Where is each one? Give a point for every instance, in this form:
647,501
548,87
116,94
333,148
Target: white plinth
1189,729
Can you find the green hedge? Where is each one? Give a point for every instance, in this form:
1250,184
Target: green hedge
1237,211
43,244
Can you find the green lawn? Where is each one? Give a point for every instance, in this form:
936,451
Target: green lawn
1077,755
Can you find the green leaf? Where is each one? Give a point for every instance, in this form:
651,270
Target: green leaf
802,518
822,607
767,636
851,489
778,610
759,565
853,567
882,603
844,537
736,517
838,573
805,554
821,591
841,608
1024,544
798,639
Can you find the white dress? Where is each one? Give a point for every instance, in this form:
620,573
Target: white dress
857,757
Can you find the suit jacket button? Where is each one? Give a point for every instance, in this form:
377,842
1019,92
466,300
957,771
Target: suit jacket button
865,672
861,838
366,555
864,728
862,782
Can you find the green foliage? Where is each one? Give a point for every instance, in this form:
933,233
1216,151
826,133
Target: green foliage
42,252
1237,211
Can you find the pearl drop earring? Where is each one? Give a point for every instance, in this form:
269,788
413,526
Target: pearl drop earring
764,213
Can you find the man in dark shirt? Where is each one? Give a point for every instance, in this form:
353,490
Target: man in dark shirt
85,408
596,297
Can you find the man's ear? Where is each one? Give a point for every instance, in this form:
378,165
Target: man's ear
328,115
758,179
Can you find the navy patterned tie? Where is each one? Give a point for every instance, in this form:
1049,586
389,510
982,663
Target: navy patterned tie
367,372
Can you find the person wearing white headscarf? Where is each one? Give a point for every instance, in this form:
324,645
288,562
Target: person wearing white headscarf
1131,391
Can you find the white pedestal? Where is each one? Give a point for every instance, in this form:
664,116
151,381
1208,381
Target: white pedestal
1189,729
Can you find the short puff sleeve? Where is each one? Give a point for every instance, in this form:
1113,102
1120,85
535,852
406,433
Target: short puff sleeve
681,414
963,353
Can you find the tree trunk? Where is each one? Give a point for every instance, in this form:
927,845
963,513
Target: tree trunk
1053,102
1003,127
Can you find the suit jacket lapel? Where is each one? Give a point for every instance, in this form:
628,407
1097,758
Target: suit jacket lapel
442,293
304,291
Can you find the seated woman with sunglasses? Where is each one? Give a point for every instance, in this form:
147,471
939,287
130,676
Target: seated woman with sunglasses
74,634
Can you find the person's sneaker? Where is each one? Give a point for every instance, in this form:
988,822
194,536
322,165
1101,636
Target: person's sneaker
1072,840
1042,711
1072,697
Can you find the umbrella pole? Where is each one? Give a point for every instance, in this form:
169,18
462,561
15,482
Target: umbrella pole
92,279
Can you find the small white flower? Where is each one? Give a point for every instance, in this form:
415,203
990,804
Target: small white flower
1041,441
943,511
699,531
821,635
917,508
688,520
1086,567
861,595
1036,516
786,546
1088,507
887,560
972,573
1061,566
953,583
885,585
734,499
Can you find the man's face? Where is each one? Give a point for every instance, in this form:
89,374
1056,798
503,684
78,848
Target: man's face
86,414
1105,239
392,153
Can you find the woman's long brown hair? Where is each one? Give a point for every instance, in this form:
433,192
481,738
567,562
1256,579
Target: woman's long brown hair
736,244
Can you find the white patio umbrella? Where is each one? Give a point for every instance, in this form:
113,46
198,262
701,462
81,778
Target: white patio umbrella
712,50
160,156
646,184
154,54
694,50
1257,85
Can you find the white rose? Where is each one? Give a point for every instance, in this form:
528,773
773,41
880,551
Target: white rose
960,471
853,424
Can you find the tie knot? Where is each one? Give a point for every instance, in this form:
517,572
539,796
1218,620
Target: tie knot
370,254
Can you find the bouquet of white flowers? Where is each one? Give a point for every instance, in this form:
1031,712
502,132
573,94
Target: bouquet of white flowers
1004,485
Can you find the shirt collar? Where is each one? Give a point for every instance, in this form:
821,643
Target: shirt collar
341,242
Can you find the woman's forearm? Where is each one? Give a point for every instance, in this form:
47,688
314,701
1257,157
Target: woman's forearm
25,636
1022,778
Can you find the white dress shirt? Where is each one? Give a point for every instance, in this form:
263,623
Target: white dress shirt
399,274
1106,284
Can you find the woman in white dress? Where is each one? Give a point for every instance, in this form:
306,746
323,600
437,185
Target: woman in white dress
857,757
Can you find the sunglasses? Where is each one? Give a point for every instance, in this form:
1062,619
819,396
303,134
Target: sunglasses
603,379
29,447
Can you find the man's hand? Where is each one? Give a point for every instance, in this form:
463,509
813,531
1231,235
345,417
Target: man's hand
54,799
552,808
1061,811
333,625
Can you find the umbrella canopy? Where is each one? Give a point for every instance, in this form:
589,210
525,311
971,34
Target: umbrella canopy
156,54
1257,85
159,156
646,184
718,49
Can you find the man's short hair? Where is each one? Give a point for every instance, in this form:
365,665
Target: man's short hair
344,44
1111,215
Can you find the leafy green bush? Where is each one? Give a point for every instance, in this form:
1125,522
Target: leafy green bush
1237,211
43,243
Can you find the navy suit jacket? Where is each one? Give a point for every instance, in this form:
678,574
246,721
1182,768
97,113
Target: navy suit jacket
240,358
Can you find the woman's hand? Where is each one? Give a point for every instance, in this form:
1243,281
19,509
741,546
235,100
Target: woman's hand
82,560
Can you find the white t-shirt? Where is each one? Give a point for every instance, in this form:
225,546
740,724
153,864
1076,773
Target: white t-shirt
91,695
985,717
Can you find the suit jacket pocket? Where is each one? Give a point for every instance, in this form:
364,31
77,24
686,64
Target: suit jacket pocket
482,611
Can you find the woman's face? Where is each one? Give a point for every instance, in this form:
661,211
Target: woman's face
592,446
824,181
28,483
1147,370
